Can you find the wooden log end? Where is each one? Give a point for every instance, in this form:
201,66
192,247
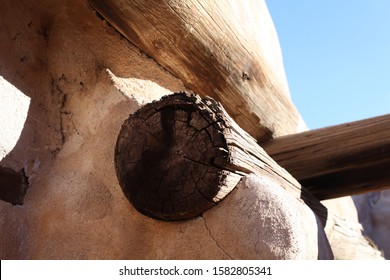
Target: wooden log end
166,158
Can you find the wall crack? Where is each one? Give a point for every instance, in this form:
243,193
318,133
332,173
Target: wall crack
215,240
59,97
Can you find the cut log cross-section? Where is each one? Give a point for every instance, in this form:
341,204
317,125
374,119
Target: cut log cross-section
346,159
177,157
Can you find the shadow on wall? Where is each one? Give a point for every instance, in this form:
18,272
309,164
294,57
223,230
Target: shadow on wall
14,108
55,91
324,248
374,215
57,55
50,56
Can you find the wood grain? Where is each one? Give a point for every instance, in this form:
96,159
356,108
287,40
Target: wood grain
177,157
347,159
224,49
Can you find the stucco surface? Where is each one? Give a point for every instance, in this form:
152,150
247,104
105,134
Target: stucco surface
82,80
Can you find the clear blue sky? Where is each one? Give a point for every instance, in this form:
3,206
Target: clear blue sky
336,55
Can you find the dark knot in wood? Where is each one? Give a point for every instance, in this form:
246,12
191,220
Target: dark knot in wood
168,157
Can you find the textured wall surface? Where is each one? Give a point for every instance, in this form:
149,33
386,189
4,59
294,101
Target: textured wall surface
374,215
83,80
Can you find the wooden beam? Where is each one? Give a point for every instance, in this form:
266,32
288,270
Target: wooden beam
13,186
347,159
224,49
177,157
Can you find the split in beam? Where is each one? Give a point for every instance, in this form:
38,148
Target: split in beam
347,159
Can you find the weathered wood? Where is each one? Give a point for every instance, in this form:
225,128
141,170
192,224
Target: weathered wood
342,160
13,186
224,49
177,157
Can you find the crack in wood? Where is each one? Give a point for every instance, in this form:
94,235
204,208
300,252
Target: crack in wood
188,154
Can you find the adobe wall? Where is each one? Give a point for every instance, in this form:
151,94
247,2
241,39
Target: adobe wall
80,80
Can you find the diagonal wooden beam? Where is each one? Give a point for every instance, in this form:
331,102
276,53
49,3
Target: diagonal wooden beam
346,159
224,49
